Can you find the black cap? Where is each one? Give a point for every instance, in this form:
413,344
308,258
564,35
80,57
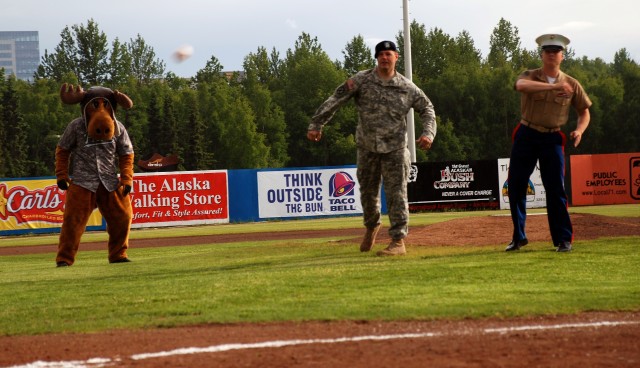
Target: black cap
385,45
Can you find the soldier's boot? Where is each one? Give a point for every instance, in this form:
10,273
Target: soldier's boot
369,238
395,248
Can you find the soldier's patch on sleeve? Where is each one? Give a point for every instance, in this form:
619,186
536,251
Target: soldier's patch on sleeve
350,84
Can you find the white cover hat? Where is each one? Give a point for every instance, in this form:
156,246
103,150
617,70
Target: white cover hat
552,40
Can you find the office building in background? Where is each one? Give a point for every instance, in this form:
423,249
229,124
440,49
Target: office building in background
19,53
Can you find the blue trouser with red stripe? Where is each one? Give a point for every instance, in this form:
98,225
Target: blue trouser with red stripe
530,146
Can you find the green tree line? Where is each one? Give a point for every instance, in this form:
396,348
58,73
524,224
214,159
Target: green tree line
258,117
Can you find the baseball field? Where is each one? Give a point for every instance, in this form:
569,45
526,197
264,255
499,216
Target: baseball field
300,294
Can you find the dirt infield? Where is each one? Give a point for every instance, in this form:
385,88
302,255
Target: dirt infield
480,231
587,340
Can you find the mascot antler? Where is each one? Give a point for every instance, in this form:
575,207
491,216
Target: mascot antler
123,100
70,96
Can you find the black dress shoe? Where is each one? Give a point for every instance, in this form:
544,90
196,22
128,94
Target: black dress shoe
121,260
564,247
62,264
516,245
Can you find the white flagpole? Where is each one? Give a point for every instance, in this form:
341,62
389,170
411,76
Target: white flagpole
408,72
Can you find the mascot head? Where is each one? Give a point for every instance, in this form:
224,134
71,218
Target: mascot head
98,106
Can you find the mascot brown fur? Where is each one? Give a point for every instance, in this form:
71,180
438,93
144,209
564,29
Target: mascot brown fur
89,152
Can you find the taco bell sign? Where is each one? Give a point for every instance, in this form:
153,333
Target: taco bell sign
307,193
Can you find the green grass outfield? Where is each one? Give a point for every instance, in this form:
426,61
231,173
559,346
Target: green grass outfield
312,279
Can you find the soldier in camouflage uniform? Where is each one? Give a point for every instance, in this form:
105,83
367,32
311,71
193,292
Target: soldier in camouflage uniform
383,99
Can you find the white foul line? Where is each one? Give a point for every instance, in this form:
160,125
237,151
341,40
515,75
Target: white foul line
279,344
103,362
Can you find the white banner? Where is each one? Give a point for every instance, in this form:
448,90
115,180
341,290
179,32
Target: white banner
536,194
313,192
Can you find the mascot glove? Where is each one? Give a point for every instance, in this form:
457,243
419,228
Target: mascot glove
63,184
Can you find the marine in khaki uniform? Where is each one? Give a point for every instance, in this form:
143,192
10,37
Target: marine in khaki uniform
383,98
547,94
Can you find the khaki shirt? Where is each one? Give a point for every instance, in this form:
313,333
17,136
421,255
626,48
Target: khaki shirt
550,109
94,162
382,110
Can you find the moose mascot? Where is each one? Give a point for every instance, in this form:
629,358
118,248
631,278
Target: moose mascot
89,152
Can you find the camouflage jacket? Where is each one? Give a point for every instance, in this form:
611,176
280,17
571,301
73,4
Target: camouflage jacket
382,110
92,162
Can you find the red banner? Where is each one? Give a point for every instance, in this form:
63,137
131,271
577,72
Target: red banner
180,198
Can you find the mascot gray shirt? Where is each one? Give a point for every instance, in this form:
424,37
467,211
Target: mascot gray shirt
94,162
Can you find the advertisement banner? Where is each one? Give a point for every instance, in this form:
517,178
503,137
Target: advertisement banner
34,205
180,198
313,192
605,179
536,194
453,184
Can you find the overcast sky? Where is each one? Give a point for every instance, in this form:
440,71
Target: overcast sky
231,29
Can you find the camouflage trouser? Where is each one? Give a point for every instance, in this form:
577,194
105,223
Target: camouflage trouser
393,168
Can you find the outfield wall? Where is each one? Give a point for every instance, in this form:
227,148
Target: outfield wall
467,185
605,179
35,205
